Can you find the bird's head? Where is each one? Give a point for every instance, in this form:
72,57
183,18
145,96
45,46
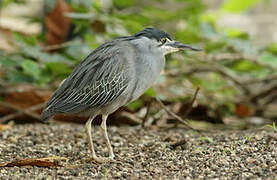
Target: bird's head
163,41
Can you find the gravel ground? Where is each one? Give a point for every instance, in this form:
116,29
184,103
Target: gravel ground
141,153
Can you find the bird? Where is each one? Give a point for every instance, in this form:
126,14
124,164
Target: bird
114,74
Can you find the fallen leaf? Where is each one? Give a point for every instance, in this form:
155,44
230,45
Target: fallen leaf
26,97
57,24
41,162
4,127
23,96
242,110
98,26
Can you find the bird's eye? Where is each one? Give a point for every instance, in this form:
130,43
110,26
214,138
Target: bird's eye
163,40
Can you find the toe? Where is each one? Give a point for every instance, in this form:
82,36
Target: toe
111,156
102,160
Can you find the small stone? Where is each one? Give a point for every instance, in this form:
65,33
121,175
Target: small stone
13,139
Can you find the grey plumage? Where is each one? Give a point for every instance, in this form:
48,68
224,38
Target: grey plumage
114,74
96,81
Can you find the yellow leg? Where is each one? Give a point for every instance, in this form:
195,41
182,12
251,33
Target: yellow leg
107,141
104,129
90,142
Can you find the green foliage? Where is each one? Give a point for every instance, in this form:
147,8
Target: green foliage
273,126
206,139
248,138
187,20
7,2
236,6
81,4
189,35
236,33
272,48
151,92
7,62
31,68
106,173
269,59
156,14
132,25
121,4
135,105
134,22
246,66
58,69
215,46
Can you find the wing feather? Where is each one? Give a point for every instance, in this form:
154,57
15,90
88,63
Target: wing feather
96,81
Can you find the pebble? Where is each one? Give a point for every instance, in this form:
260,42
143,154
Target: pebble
142,153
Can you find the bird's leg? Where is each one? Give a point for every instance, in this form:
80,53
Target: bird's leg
88,130
107,141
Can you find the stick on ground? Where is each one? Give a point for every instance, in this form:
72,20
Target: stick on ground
20,111
192,102
186,123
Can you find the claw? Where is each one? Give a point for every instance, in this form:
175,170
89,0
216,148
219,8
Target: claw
107,141
103,160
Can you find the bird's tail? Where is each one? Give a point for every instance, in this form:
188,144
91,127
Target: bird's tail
47,114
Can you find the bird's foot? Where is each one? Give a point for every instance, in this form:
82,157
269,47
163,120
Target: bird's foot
111,155
103,160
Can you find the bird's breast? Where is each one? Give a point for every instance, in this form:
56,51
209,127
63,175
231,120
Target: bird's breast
147,72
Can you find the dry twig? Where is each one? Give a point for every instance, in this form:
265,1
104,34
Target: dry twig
264,93
186,123
237,57
147,112
20,111
264,80
40,162
192,102
132,118
220,70
57,46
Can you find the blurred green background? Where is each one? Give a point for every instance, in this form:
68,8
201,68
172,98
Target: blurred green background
41,41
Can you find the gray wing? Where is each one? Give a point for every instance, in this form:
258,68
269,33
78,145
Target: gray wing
96,81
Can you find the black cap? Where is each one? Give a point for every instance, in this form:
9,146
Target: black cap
153,33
